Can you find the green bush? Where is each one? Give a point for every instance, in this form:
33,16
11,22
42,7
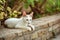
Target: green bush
49,7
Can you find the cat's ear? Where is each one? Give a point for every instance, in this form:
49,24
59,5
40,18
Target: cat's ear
24,13
31,14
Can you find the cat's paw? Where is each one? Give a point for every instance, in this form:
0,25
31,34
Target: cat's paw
28,28
33,28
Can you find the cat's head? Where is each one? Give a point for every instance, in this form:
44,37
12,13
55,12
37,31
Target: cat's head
27,18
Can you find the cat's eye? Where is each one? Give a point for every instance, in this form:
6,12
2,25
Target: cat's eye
26,19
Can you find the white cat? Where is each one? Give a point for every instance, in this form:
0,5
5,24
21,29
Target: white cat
25,22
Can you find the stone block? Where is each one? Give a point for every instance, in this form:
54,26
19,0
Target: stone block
43,34
18,38
25,32
57,31
45,25
54,21
56,26
27,37
34,35
37,38
51,23
50,29
42,25
10,37
57,21
37,28
44,37
49,35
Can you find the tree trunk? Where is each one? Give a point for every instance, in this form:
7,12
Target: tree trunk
38,7
17,5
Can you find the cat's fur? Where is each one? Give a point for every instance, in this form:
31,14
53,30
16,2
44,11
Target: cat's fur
25,22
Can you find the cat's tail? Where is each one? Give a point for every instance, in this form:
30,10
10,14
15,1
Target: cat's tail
5,26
